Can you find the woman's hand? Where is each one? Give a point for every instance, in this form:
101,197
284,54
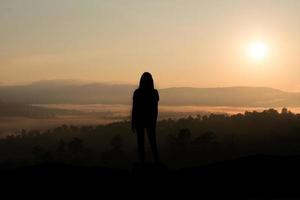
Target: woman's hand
133,129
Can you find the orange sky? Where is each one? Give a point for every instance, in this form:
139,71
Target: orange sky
183,43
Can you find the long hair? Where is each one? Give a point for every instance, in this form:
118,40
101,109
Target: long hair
146,82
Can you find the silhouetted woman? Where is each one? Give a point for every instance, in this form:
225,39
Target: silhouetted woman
144,115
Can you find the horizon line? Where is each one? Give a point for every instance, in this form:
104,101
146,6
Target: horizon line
86,82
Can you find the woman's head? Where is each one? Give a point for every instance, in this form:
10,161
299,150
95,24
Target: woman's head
146,82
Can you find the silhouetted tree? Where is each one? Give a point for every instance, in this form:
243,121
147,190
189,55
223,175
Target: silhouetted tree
208,137
75,146
40,155
178,145
184,139
117,143
61,146
115,155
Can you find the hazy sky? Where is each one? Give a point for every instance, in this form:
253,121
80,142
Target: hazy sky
182,42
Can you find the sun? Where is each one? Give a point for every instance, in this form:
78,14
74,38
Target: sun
257,51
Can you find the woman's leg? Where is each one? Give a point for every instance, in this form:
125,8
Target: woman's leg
141,143
151,132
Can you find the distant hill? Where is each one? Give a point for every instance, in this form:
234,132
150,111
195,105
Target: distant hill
61,91
230,96
22,110
72,91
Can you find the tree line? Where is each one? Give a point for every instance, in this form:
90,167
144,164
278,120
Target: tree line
189,141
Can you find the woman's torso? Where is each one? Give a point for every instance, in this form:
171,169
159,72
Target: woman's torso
146,107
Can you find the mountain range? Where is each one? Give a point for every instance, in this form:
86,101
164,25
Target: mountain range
76,92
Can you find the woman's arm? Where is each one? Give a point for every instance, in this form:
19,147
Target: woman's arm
133,112
156,104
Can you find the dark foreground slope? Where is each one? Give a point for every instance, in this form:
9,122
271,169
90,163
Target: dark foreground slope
251,176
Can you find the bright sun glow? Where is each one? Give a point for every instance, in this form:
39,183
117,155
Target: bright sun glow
257,51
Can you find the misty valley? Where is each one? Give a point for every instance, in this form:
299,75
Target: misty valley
48,104
16,117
